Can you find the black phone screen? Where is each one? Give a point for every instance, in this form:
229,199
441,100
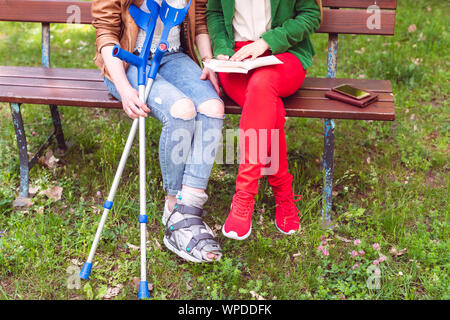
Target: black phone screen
352,91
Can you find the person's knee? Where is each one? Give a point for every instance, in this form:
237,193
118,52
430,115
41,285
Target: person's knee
213,108
263,81
183,109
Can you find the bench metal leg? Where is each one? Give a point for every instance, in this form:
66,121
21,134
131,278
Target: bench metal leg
25,163
328,148
328,168
62,147
23,150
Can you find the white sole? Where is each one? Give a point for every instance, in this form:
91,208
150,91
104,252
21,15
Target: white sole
286,233
233,235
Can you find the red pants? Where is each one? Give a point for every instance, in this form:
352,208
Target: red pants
259,94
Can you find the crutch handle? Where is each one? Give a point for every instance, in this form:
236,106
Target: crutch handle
124,55
156,60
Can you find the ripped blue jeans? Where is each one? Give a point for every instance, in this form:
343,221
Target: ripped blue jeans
188,144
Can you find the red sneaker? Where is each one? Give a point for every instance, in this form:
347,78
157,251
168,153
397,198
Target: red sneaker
238,224
287,218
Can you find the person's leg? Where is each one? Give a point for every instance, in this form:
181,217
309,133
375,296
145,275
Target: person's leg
264,88
277,169
177,115
184,73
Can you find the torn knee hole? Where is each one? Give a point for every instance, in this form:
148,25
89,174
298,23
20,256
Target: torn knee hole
183,109
212,108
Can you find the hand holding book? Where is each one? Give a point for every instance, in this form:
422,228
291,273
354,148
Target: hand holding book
241,66
253,50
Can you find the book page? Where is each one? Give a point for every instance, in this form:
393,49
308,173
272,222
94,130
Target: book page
261,62
241,66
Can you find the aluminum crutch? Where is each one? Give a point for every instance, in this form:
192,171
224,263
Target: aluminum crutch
147,22
171,17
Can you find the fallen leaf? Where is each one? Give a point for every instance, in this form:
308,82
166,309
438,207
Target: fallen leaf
75,262
344,239
412,28
54,193
49,160
136,282
33,190
112,292
397,253
132,246
257,296
22,202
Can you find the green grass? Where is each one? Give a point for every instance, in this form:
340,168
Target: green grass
392,187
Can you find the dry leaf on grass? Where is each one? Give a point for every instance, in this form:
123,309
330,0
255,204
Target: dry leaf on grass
22,203
397,253
49,160
136,282
112,292
33,190
75,262
53,193
344,239
132,246
412,28
257,296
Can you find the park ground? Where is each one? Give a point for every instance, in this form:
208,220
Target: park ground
390,200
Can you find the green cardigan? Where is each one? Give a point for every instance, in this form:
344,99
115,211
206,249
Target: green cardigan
292,23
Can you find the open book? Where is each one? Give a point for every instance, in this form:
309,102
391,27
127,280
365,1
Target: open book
243,66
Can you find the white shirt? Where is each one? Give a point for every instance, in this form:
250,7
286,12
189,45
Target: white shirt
251,19
174,35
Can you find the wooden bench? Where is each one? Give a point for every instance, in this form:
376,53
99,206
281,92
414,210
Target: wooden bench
85,88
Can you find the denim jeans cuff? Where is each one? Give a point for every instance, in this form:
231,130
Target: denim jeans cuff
195,182
171,192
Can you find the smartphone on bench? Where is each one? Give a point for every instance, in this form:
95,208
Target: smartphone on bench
351,91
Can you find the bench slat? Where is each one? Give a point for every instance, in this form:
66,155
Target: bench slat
46,11
297,106
362,4
58,96
94,75
355,22
50,73
53,83
335,21
85,88
304,92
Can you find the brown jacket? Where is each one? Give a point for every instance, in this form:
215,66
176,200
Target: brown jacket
114,25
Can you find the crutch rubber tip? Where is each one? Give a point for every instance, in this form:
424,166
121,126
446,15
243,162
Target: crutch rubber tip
86,271
143,290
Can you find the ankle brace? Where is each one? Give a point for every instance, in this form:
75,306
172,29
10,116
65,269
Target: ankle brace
191,198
